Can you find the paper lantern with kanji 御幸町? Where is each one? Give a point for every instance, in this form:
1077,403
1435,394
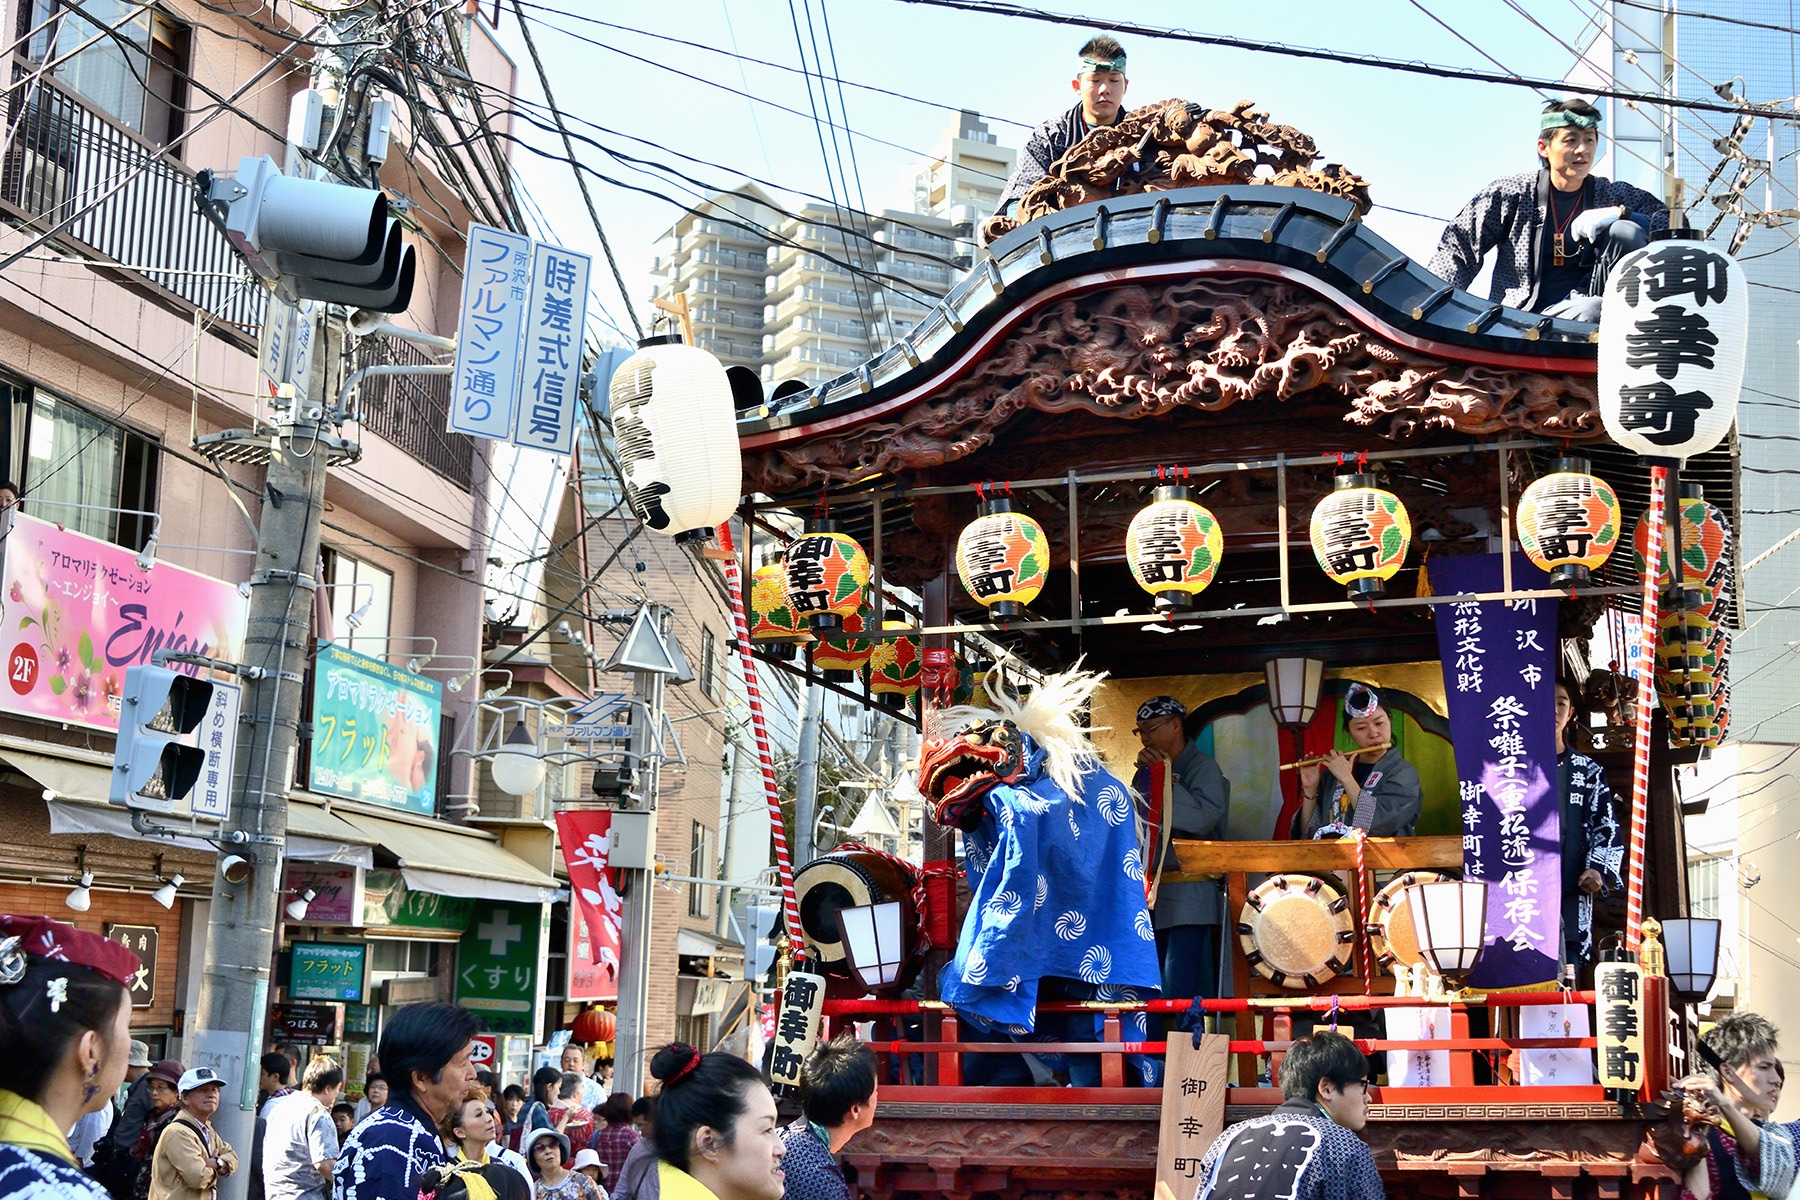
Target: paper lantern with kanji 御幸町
894,668
1705,544
842,655
1003,559
1360,534
1674,330
1569,522
827,575
774,623
675,430
1173,547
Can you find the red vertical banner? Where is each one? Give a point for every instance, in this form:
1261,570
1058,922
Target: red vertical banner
596,910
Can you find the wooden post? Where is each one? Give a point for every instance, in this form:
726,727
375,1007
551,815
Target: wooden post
1112,1063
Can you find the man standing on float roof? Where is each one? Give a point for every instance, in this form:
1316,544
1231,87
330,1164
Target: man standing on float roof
1100,82
1559,230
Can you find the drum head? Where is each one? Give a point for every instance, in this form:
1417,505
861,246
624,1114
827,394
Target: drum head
1390,926
824,886
1296,931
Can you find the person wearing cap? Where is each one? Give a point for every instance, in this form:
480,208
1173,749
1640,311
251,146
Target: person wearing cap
191,1158
65,1035
1557,231
1100,83
1374,790
425,1055
547,1151
1186,915
165,1102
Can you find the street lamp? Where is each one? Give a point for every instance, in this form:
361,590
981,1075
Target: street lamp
873,942
296,908
1450,921
165,895
1692,945
519,768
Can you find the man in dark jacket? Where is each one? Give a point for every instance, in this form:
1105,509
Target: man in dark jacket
1559,230
1100,82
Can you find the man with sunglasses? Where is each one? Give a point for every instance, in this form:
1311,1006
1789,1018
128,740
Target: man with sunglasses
1307,1149
1186,915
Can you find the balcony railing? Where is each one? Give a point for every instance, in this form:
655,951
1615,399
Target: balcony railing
413,411
725,287
123,202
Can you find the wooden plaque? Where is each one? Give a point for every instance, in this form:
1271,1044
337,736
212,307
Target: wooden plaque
1193,1108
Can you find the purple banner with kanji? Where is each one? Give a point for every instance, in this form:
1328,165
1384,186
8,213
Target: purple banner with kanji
1499,661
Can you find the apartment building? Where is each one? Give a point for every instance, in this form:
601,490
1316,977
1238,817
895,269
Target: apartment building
962,175
716,256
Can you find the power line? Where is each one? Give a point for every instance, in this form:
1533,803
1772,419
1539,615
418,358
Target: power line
1690,15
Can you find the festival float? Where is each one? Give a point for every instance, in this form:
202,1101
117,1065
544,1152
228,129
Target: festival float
1194,430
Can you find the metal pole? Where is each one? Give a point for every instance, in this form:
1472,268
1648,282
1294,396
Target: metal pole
630,1061
240,937
806,776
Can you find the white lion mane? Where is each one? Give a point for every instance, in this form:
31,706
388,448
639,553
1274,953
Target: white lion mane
1048,712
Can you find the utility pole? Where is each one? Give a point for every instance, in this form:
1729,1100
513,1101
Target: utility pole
630,1061
806,776
240,937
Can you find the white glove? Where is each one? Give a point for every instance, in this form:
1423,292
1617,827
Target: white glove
1576,308
1589,225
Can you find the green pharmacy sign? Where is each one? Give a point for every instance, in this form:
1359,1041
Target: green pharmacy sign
499,965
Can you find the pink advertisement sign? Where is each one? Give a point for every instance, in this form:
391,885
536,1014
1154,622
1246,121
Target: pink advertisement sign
76,611
337,892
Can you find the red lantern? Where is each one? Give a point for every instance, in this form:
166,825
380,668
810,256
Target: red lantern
1705,544
827,575
840,656
595,1025
1569,522
895,668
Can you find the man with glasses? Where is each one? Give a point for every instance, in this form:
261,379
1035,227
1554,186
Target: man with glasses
1186,915
1307,1149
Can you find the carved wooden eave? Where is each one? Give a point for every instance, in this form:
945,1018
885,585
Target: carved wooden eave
1202,298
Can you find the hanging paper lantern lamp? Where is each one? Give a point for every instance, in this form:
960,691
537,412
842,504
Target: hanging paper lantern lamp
1569,522
1705,544
1003,559
1173,546
827,575
774,622
843,656
1690,641
675,429
594,1025
1674,329
1360,534
894,668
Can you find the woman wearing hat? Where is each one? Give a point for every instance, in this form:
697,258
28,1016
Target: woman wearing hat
165,1102
65,1037
1374,790
548,1153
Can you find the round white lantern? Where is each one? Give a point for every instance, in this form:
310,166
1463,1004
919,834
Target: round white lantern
676,435
1674,326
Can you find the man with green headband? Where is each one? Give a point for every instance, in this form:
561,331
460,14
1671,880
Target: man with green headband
1100,82
1557,231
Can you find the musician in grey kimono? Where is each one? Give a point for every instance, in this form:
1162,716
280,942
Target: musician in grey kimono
1375,790
1592,853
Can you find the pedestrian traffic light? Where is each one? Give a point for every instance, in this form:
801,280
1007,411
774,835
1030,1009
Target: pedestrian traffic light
756,925
156,763
314,240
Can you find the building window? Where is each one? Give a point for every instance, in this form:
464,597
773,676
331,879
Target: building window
362,597
79,469
699,849
136,74
1703,887
709,664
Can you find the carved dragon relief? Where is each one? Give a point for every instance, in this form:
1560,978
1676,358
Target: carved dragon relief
1137,350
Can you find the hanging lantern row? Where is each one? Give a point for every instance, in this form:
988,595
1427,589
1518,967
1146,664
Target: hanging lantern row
894,668
1705,544
1569,522
843,655
827,575
774,622
1003,559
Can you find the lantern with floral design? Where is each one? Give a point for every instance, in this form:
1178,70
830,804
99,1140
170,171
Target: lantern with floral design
1569,522
894,667
1003,559
1690,641
842,655
1360,535
1173,546
1705,544
827,574
774,623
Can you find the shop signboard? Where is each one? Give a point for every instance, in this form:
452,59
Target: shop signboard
487,1049
141,941
306,1024
76,611
500,974
389,903
337,891
360,1018
375,731
327,971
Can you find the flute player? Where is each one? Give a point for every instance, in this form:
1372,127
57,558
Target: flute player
1374,790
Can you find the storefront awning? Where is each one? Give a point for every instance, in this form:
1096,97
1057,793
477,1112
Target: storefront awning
452,861
692,943
76,796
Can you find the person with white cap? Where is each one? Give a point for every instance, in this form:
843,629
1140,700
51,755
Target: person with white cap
587,1162
191,1158
1374,789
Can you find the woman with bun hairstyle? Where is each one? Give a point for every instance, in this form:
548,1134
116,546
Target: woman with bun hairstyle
716,1133
65,1040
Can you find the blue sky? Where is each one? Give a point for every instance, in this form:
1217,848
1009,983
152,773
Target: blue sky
1423,143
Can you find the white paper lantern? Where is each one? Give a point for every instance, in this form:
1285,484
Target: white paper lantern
1674,326
676,432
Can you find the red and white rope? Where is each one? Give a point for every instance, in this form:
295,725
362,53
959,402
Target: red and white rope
1646,693
760,729
1360,898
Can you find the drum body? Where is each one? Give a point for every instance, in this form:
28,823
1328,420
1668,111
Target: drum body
1390,925
1297,931
848,879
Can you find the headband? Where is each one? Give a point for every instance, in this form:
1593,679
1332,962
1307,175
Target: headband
1093,66
1563,118
1161,706
1360,701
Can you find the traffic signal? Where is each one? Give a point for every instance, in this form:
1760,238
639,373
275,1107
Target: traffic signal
756,924
156,762
314,240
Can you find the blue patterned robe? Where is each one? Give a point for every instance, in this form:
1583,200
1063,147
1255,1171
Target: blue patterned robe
28,1175
384,1156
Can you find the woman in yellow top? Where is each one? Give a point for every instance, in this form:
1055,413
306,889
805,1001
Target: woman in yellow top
716,1133
65,1039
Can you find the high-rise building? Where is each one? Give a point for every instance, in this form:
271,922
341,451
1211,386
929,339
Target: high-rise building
716,256
962,176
